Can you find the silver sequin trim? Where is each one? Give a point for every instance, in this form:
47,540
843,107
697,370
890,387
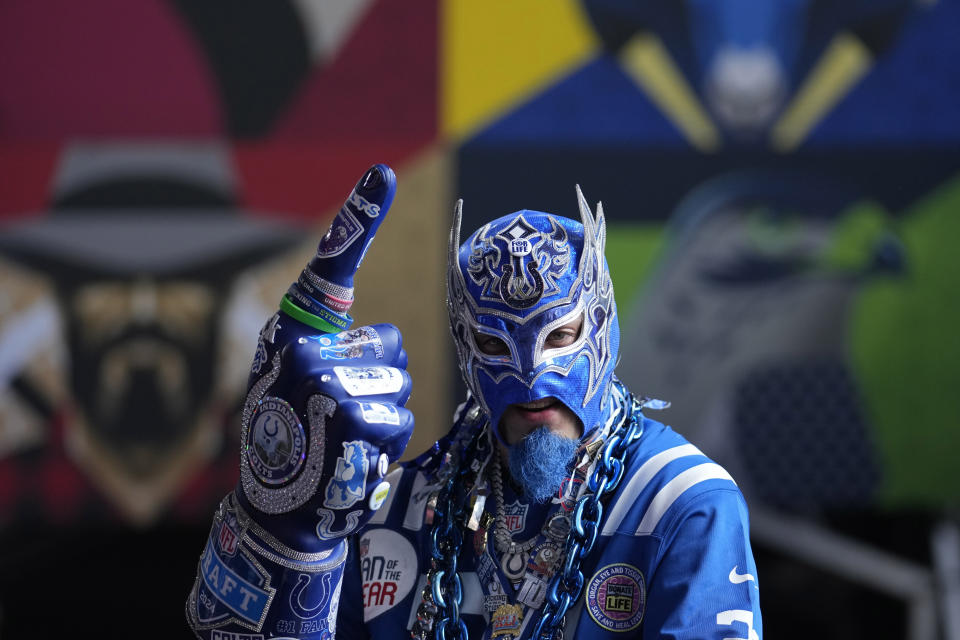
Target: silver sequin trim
275,545
334,562
297,493
327,287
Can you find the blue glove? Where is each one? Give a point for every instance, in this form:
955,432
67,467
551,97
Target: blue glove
322,420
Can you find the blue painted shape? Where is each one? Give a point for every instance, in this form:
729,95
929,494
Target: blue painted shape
912,94
596,105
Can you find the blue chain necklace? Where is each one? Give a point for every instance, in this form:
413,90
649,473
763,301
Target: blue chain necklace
438,616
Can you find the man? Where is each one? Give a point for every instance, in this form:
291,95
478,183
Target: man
552,509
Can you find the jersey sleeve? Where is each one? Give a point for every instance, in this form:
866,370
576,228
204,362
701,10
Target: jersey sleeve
705,584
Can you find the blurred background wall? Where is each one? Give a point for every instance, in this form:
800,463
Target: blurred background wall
782,185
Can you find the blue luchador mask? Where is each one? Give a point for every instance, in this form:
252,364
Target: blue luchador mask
519,278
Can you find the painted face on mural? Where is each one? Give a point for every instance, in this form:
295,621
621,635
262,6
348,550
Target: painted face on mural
142,359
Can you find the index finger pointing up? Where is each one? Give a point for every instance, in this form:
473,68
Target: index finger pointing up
326,283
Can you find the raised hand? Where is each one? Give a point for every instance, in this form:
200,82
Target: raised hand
322,420
319,428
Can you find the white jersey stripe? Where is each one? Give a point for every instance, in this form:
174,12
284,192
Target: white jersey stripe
639,480
674,489
413,520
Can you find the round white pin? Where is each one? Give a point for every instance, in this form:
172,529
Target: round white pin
379,495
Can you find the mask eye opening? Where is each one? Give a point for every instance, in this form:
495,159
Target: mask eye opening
565,336
490,345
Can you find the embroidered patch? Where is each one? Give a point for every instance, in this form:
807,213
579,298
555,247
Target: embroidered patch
353,343
379,413
348,484
216,634
331,526
275,442
369,381
388,567
343,231
230,589
616,597
528,269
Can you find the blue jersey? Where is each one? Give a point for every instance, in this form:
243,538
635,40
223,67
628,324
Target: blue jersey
672,560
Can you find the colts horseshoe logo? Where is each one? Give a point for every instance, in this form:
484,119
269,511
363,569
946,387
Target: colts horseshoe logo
303,581
516,291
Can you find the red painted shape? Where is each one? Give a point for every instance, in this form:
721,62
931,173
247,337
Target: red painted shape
381,86
376,101
102,68
26,174
306,183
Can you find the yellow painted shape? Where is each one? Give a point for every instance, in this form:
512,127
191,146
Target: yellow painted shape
648,62
841,66
497,53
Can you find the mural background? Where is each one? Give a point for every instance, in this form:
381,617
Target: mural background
780,182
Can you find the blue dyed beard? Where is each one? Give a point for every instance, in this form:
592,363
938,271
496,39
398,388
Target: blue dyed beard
540,463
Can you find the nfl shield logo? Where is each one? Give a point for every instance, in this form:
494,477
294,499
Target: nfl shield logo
228,539
516,516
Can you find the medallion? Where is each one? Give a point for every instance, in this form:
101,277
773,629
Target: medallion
505,621
532,592
543,561
558,526
514,565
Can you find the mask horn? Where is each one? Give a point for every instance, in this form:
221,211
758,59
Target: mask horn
454,247
589,231
586,216
601,229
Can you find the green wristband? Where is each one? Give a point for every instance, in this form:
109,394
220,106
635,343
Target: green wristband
295,312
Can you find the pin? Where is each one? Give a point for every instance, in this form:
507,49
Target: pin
533,592
431,507
477,503
543,560
505,621
481,536
494,601
514,565
495,597
558,527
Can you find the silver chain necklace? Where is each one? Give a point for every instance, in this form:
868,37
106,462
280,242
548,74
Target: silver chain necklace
502,538
439,614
